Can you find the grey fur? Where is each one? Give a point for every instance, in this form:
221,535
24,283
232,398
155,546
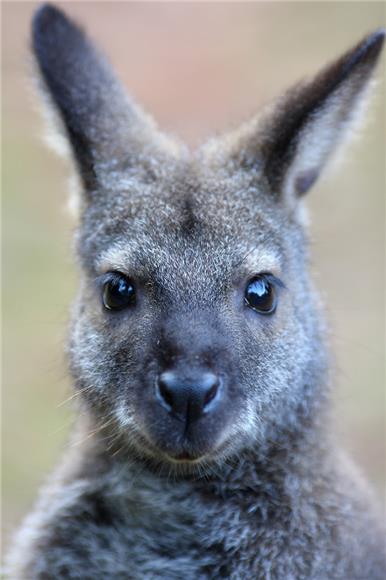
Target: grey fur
270,495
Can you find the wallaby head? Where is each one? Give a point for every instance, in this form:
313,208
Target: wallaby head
195,333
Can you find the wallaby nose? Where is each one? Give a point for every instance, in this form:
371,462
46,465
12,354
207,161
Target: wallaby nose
188,398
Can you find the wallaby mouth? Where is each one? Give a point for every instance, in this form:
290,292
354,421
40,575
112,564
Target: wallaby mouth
188,443
186,457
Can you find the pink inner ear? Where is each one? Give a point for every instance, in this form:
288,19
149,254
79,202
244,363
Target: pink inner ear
305,181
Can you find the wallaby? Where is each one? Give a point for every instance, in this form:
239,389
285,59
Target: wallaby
197,349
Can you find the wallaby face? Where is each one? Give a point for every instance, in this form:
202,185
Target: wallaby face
195,333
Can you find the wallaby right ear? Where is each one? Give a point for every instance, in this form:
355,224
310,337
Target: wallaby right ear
104,127
290,144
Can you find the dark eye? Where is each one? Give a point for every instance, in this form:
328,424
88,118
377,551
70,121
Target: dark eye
260,295
118,292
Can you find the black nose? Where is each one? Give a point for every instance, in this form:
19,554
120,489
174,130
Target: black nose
188,397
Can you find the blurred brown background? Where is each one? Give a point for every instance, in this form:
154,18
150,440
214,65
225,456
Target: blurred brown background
198,68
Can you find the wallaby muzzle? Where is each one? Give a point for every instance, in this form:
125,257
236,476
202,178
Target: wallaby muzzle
194,369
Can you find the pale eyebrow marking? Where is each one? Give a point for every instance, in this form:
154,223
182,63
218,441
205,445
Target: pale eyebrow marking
117,257
263,260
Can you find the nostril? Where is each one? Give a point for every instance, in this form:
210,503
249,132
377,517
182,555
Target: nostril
211,393
165,394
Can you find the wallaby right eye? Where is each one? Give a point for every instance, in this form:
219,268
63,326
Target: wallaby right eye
118,292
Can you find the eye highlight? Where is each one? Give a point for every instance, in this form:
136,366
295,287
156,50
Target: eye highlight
118,292
260,294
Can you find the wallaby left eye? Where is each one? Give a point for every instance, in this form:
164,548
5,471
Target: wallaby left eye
260,295
118,292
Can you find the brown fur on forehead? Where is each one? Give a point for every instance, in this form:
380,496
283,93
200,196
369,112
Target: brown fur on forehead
179,184
190,215
187,254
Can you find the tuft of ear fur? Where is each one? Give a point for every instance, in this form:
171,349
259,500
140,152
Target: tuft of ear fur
292,141
104,127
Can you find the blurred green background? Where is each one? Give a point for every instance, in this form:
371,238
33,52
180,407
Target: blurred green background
199,68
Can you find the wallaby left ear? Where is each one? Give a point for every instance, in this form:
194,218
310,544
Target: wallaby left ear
106,129
293,141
